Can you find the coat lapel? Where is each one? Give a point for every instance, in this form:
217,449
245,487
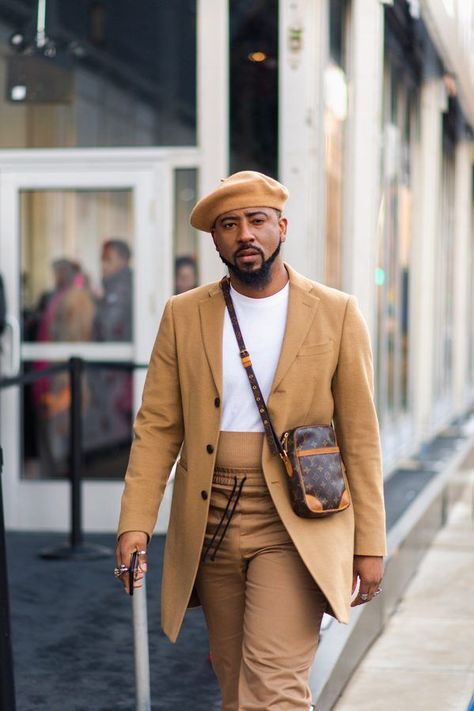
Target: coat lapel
211,312
302,307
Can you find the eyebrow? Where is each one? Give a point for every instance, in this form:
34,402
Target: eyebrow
251,213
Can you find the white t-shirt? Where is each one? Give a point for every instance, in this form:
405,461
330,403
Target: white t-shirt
262,322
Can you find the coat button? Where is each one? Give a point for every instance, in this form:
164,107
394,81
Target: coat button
204,495
209,448
217,402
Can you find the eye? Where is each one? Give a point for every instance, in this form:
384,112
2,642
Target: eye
258,220
228,225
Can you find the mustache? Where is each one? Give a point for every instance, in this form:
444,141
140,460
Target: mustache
245,249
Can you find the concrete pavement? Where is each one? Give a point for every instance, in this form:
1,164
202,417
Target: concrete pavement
424,658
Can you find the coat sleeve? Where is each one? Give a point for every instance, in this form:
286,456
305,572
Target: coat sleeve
357,431
158,434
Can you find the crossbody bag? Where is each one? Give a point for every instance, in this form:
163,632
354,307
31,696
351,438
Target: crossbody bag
310,453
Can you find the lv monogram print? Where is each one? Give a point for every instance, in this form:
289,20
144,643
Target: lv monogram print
317,484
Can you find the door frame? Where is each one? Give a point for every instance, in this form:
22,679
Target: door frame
149,173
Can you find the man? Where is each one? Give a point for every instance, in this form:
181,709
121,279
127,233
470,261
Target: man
263,575
110,412
113,321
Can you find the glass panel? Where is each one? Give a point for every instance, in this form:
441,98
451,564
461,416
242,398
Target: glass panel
394,236
76,277
76,284
186,268
335,114
444,316
118,74
106,423
253,85
471,292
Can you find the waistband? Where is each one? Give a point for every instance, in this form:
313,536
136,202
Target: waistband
239,450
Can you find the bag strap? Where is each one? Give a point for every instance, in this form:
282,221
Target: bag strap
273,441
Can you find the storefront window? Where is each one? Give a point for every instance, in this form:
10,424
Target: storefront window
253,85
392,274
471,296
76,287
443,302
335,114
77,256
118,74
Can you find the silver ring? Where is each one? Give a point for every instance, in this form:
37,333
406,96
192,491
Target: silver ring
141,552
378,591
364,596
121,570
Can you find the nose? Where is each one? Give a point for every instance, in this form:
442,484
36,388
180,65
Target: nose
245,234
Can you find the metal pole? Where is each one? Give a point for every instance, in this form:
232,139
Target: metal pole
76,549
41,24
75,374
140,644
7,680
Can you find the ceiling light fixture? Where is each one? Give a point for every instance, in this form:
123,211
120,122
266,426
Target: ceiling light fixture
257,57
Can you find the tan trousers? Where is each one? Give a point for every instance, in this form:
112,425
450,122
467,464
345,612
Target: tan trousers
262,607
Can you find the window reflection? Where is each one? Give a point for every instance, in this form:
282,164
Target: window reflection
76,281
471,294
128,70
335,114
77,286
394,241
444,303
253,85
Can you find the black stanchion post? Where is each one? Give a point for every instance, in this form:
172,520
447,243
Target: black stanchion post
7,681
76,549
75,434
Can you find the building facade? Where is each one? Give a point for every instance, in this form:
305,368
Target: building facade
114,120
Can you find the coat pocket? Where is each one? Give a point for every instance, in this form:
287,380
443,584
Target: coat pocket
315,349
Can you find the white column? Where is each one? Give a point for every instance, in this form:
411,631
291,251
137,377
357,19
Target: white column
302,58
462,234
213,113
424,252
362,186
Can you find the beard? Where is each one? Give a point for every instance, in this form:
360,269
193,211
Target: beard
258,278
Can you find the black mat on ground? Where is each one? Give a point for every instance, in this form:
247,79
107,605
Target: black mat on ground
72,636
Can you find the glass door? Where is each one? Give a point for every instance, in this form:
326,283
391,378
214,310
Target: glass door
86,253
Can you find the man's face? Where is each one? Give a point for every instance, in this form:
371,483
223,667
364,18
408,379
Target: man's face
112,262
248,241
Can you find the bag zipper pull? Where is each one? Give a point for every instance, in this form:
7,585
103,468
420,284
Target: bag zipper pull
284,454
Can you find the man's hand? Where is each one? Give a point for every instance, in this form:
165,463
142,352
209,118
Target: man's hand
129,542
369,568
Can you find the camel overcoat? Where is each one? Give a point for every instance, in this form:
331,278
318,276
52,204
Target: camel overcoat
324,372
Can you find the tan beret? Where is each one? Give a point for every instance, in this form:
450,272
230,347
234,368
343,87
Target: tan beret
244,189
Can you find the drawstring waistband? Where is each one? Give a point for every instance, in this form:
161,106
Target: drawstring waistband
238,460
237,487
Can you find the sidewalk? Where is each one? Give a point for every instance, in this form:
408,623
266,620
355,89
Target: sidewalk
72,635
424,658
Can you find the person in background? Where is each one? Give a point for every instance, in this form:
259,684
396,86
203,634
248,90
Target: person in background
63,315
113,319
109,424
185,274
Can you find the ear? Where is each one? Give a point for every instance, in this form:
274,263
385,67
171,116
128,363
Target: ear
214,239
283,223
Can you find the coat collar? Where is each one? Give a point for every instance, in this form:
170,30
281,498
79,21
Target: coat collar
302,307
